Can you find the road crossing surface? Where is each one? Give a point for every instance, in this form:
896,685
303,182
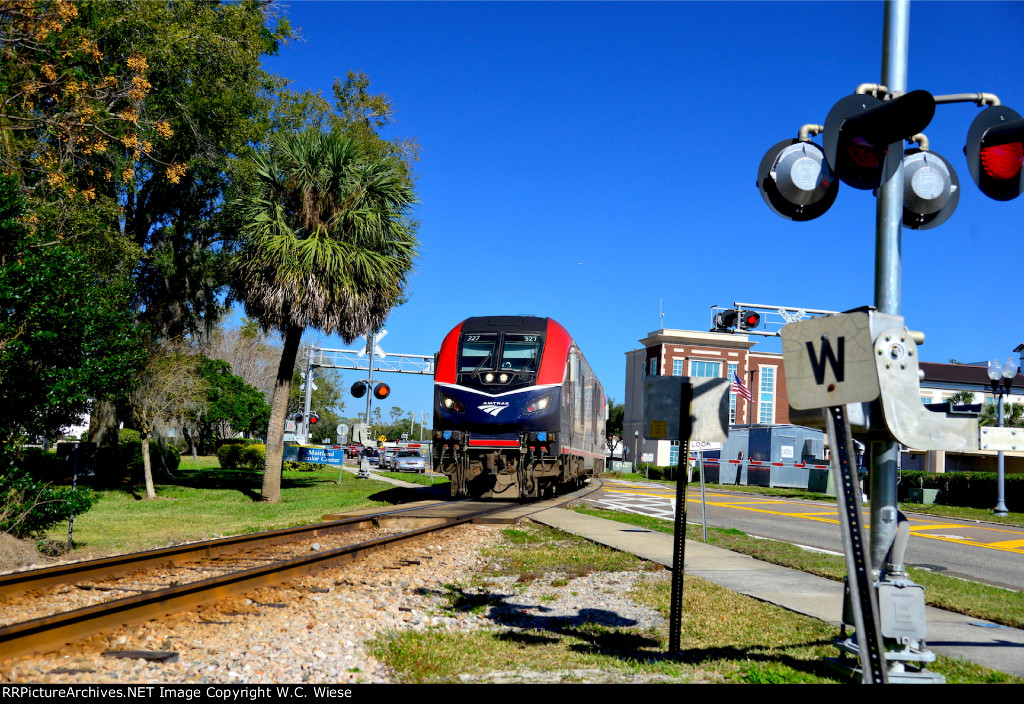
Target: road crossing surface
985,552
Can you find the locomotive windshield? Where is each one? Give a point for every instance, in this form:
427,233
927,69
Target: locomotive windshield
478,352
518,354
521,353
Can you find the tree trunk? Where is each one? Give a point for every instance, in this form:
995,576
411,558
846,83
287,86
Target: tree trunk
147,466
278,409
103,425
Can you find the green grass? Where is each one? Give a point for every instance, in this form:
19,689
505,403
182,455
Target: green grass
726,637
415,478
201,504
971,598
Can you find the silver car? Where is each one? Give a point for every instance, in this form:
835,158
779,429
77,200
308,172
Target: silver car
409,461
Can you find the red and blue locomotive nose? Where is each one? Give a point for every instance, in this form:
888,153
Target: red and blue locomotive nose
530,409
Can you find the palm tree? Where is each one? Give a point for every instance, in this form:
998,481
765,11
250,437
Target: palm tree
327,243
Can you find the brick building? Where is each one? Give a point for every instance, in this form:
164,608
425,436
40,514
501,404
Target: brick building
690,353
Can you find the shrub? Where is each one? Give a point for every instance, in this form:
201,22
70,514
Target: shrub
253,457
242,455
973,489
228,454
28,505
128,435
123,464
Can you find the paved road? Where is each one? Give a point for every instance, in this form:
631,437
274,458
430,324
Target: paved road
984,552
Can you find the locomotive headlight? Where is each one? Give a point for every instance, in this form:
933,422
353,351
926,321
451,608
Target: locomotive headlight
488,378
451,404
503,378
539,405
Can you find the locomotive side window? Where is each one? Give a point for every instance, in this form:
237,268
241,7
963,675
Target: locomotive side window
478,352
521,353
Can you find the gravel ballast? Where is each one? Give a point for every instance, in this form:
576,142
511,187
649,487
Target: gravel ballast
316,629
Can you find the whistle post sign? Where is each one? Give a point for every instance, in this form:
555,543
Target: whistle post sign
829,361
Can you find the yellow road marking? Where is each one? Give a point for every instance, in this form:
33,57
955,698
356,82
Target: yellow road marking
1003,544
743,504
935,526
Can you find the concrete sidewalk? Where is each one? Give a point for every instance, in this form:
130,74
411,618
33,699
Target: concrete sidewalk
949,634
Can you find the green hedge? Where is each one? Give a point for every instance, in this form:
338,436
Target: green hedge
247,456
29,505
973,489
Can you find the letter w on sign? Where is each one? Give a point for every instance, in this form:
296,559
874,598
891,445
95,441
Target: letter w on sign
829,362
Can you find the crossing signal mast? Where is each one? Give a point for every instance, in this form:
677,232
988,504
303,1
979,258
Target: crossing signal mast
863,139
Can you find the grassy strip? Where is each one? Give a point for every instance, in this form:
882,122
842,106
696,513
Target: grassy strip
964,512
202,504
416,478
961,596
727,637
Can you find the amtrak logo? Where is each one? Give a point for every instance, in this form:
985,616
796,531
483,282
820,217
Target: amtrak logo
494,407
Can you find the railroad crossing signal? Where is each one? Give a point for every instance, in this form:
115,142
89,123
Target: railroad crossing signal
860,128
931,190
796,181
995,152
799,180
380,392
739,319
314,418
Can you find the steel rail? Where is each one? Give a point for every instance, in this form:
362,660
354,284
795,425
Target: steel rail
30,580
53,632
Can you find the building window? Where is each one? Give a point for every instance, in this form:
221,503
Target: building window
733,368
706,369
766,396
677,367
654,367
673,454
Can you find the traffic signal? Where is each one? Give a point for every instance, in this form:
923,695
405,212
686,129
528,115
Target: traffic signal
995,152
931,189
860,129
298,417
748,320
359,389
726,319
795,180
314,418
381,391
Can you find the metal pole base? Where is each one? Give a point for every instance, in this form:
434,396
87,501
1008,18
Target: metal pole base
903,666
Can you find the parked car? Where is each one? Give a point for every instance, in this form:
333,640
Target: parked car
409,461
387,456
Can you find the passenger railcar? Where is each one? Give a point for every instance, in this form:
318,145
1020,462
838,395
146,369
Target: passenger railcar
517,409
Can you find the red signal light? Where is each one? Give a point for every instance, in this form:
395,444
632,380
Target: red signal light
1003,161
381,391
864,154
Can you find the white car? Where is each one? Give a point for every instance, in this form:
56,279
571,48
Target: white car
409,461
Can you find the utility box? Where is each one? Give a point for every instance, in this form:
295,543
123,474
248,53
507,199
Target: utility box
923,496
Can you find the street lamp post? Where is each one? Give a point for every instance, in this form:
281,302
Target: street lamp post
636,443
1002,377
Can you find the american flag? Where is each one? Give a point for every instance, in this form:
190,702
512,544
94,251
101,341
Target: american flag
739,387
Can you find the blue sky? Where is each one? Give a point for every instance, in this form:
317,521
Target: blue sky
596,163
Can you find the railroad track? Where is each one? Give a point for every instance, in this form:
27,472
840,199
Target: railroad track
243,561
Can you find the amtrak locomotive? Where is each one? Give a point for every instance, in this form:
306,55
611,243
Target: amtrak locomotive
517,409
